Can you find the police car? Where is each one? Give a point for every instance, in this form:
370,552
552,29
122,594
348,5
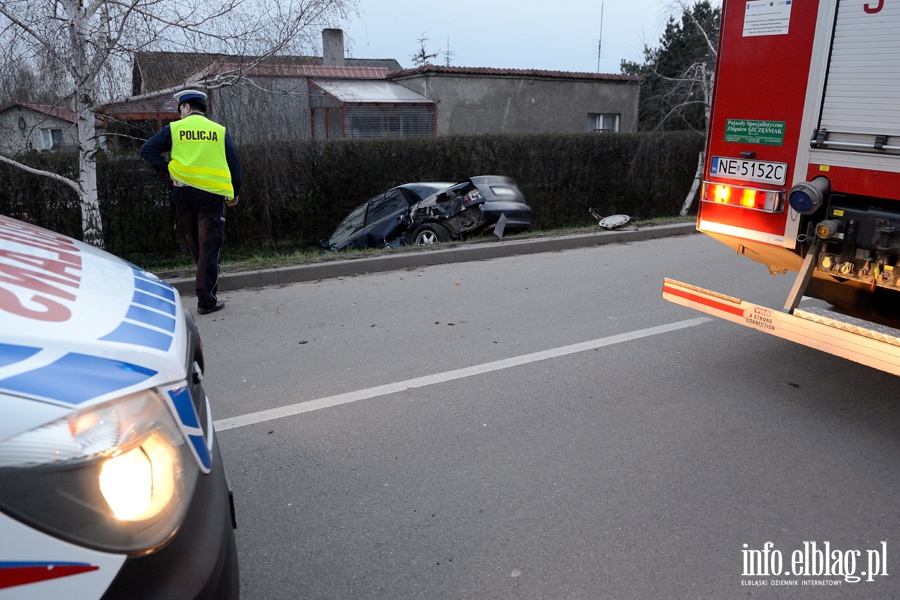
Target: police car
111,481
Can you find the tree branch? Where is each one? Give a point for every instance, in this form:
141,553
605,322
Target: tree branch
72,184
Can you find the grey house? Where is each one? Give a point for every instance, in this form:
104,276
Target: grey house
483,100
321,102
28,127
283,97
334,97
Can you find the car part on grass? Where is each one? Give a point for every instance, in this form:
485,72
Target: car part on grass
500,227
620,222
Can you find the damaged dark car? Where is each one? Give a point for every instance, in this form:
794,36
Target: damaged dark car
428,212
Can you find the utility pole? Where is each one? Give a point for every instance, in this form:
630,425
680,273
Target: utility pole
600,42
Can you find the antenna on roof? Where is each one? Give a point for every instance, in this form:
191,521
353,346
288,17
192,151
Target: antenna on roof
600,42
448,54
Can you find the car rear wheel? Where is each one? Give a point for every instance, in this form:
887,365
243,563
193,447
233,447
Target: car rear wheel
429,234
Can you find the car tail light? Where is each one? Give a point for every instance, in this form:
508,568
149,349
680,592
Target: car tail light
473,197
744,197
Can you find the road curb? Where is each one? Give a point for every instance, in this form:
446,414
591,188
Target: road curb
438,256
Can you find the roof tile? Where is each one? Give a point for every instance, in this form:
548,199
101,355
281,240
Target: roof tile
437,69
164,70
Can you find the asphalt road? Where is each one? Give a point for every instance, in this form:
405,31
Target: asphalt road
546,426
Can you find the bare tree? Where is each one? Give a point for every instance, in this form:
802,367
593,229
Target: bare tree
678,74
25,78
423,57
91,42
702,74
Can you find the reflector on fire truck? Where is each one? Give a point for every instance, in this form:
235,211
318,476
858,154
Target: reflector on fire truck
853,339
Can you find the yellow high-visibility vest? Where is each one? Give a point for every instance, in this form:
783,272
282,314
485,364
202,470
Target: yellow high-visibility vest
198,155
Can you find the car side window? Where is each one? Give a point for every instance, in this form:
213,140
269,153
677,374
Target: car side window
386,205
413,196
353,223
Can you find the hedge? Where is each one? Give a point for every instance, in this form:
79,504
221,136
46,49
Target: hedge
295,193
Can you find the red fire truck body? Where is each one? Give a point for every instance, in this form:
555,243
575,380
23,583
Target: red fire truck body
802,169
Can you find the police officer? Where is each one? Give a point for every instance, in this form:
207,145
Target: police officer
206,175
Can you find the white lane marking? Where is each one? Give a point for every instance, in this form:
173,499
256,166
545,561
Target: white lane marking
392,388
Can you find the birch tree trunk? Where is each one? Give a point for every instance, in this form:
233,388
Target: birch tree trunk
85,77
91,222
707,82
698,178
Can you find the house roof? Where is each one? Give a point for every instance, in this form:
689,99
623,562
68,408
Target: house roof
368,91
164,70
58,112
537,73
148,108
300,70
153,71
174,69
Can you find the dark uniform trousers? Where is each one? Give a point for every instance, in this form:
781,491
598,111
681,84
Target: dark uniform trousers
202,215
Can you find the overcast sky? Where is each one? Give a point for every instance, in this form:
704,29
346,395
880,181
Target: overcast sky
560,35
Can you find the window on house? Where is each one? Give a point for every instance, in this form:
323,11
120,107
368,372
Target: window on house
399,120
51,137
603,122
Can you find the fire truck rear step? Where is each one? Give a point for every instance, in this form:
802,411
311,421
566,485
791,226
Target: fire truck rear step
854,339
881,333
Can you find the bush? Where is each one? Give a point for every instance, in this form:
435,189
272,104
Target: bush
295,193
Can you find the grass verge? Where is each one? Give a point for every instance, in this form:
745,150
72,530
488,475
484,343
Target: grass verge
237,260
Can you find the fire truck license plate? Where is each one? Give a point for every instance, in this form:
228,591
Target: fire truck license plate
749,170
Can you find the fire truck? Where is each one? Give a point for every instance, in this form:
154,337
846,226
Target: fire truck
802,171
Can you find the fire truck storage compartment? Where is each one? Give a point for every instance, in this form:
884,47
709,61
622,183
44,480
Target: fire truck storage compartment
860,108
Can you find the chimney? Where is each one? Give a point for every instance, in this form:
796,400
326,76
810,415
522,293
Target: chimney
333,47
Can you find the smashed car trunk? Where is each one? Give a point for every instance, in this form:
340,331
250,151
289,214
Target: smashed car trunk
456,208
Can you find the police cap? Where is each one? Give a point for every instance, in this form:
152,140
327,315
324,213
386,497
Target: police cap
185,95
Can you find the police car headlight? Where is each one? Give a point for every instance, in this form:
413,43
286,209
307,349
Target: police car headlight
117,477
